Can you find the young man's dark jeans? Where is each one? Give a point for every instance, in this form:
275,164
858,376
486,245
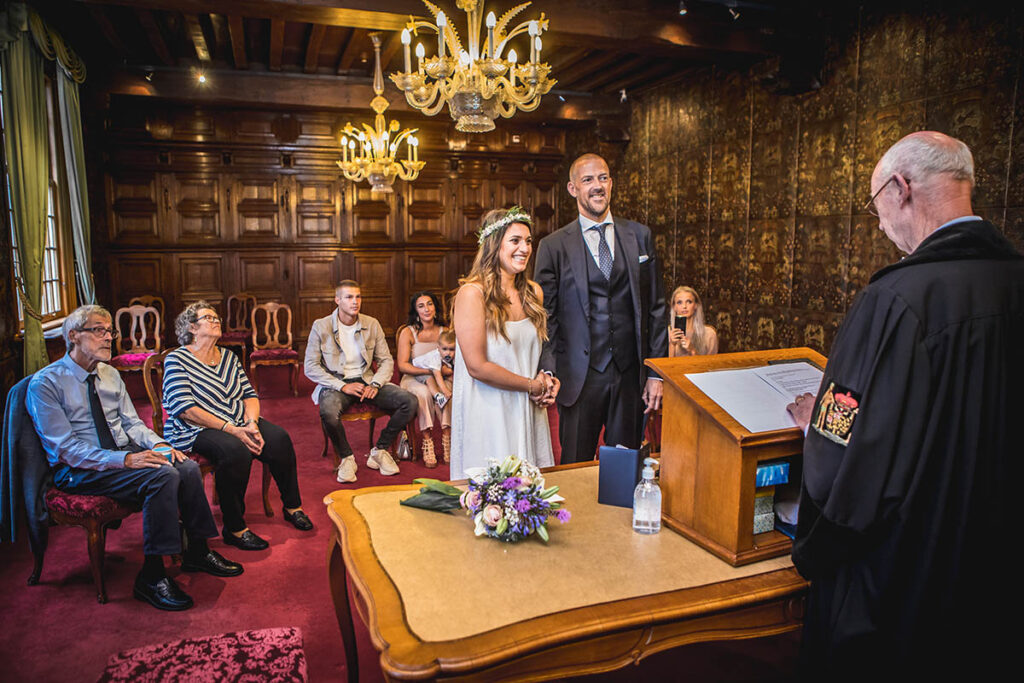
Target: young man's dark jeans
391,399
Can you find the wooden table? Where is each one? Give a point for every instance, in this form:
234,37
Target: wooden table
441,603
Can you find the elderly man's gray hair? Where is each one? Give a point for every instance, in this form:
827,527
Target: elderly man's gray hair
78,317
189,316
928,153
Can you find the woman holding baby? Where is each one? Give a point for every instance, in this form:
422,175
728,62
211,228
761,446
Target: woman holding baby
423,345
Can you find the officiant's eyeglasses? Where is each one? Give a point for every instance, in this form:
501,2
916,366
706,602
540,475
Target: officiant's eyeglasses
870,206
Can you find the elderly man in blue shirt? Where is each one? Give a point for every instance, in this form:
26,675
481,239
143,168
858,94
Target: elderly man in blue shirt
97,445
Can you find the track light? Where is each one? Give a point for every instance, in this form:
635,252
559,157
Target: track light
682,7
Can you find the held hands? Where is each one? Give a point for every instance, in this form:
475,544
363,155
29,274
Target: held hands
545,389
249,435
801,409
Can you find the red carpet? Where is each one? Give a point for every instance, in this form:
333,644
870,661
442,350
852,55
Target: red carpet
57,632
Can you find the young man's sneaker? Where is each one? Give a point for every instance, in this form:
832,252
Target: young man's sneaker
380,459
347,470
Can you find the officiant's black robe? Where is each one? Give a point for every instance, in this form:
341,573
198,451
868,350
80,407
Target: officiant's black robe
910,499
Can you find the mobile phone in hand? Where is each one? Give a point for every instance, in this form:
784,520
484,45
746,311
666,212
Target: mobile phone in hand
680,323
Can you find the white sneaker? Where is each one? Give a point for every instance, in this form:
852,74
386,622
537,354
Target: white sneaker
380,459
347,470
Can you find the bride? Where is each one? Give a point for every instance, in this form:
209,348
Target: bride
499,398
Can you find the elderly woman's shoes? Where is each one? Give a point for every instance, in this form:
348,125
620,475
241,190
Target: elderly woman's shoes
247,541
298,519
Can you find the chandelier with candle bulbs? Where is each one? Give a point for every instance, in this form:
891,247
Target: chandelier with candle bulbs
475,81
369,154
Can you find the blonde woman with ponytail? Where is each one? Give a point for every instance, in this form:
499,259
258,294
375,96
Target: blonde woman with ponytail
687,333
499,402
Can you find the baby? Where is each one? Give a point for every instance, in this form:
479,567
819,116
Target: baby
443,355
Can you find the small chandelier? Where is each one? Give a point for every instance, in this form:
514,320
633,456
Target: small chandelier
476,83
369,154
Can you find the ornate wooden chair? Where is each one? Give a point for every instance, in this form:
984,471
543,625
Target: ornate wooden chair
138,336
272,342
157,303
235,331
356,412
26,477
154,368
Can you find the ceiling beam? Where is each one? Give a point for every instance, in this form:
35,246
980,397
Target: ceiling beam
156,38
356,42
236,29
597,60
109,32
276,44
390,49
641,77
624,67
316,38
195,32
644,25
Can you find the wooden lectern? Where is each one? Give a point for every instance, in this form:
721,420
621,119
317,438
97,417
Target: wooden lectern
709,460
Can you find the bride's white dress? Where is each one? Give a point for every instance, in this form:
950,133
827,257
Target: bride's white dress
490,423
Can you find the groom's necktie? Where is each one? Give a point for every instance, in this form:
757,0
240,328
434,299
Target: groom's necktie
604,253
99,419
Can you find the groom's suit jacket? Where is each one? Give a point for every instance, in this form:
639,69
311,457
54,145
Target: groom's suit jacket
561,271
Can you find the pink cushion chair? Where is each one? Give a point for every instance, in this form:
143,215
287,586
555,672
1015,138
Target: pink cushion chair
272,341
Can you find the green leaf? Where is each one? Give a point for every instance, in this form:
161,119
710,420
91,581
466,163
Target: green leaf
502,526
547,493
439,486
542,531
432,500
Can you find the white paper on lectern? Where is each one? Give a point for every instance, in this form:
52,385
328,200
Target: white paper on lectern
757,397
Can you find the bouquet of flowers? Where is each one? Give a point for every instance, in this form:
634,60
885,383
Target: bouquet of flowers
508,500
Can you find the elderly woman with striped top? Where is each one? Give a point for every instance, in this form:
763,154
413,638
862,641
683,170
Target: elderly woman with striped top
214,411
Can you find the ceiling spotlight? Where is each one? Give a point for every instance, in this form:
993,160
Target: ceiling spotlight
201,77
622,95
682,7
562,99
149,76
734,13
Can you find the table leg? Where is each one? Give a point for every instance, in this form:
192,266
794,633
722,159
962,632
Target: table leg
339,592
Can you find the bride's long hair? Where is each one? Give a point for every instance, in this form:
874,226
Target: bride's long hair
486,272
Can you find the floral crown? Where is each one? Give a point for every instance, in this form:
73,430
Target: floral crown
515,215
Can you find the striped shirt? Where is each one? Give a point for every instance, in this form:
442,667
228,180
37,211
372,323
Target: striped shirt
218,389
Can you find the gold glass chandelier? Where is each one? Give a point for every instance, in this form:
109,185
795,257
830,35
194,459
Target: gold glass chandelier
369,154
475,81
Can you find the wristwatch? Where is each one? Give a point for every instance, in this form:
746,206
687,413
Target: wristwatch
375,385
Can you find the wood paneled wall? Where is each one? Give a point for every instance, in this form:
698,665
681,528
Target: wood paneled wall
756,198
202,203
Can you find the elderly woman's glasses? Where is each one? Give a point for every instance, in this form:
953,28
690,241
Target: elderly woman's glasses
100,332
870,206
209,318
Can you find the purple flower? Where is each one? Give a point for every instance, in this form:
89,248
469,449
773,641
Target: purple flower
563,515
523,505
511,482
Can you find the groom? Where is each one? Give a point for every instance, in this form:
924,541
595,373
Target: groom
606,314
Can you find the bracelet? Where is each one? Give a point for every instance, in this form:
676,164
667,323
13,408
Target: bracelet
223,426
529,387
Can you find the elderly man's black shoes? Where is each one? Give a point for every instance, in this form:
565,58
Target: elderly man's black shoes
247,541
162,593
299,520
211,562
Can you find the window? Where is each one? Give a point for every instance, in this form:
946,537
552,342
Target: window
57,289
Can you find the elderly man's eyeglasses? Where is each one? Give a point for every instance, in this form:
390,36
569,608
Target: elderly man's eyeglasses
100,331
870,206
209,318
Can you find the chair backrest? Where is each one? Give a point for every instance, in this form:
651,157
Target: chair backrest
239,312
154,365
154,301
269,337
140,331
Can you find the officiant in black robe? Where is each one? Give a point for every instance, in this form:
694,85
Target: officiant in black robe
909,493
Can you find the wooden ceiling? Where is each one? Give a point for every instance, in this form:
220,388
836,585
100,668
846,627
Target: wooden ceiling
596,49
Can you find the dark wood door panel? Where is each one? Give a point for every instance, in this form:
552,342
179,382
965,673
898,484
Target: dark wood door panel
317,207
134,206
195,206
200,277
258,203
316,273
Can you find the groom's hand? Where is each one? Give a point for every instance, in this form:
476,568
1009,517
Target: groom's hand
652,395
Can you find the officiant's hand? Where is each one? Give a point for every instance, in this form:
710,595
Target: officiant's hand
652,395
801,409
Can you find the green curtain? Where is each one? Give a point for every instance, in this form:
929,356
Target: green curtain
74,158
24,101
